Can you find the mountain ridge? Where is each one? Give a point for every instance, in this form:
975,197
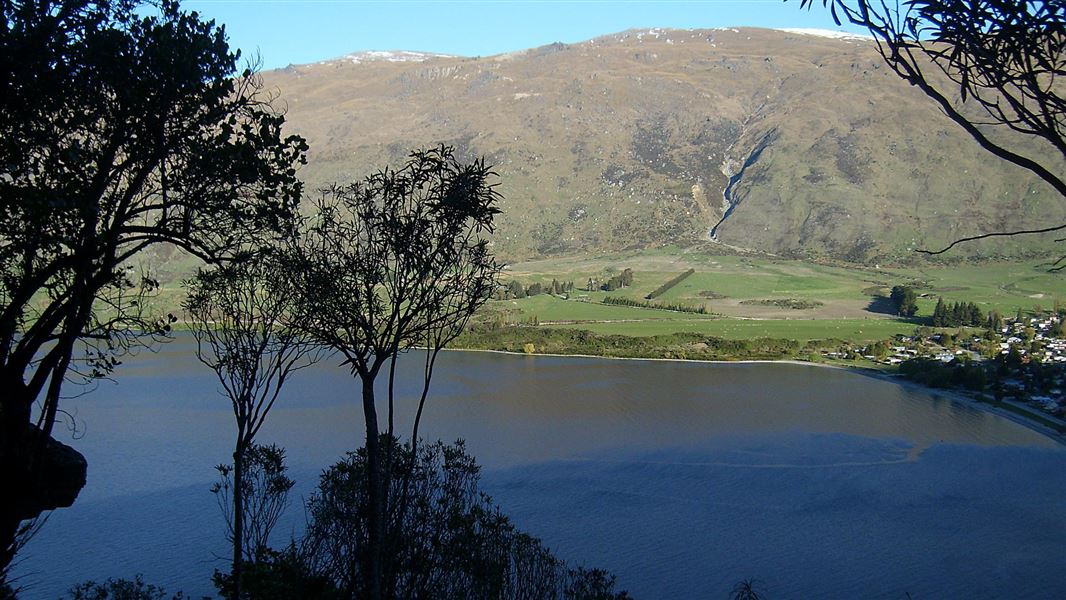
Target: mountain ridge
631,140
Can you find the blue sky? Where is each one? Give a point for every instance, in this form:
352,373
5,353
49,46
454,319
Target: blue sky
303,31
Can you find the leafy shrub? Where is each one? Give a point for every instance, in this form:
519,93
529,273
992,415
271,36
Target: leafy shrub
445,539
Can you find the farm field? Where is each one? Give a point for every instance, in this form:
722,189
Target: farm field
755,297
856,330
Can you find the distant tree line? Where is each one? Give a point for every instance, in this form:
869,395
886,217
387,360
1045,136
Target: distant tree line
959,314
694,346
989,377
625,279
995,321
662,289
934,373
515,289
791,303
676,307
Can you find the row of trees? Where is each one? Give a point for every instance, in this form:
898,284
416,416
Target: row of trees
671,306
959,314
1025,376
514,289
617,282
662,289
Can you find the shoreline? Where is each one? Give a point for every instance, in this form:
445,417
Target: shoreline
953,395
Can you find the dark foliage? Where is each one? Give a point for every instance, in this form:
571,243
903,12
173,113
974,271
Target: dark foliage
122,126
515,290
905,300
247,328
623,279
937,374
959,314
675,307
264,496
275,575
397,262
120,589
446,539
746,590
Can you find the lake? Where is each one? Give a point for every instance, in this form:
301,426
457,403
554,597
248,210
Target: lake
680,478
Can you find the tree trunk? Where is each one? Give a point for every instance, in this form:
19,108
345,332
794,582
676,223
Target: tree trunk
374,494
238,518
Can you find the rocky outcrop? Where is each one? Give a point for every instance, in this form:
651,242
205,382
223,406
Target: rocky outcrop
39,474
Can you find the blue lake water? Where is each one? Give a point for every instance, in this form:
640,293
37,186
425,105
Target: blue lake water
680,478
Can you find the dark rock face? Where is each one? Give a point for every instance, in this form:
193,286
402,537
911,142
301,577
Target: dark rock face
40,473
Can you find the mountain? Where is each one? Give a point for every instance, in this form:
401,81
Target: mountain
796,143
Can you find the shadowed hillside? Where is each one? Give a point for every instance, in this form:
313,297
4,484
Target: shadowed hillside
629,140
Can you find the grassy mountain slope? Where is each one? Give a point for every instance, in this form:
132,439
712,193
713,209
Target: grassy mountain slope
629,140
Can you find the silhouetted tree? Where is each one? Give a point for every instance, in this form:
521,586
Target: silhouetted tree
745,590
1002,58
396,262
261,496
246,324
121,127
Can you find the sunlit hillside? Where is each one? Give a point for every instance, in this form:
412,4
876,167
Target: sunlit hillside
629,141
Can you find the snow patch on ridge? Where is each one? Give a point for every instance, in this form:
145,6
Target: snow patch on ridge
827,33
391,56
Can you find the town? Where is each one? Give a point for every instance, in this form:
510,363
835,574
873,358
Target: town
1014,362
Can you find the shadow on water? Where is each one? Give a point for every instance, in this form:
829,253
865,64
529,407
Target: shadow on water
682,478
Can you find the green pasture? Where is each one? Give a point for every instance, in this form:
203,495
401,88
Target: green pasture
856,330
1006,287
549,308
1002,286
